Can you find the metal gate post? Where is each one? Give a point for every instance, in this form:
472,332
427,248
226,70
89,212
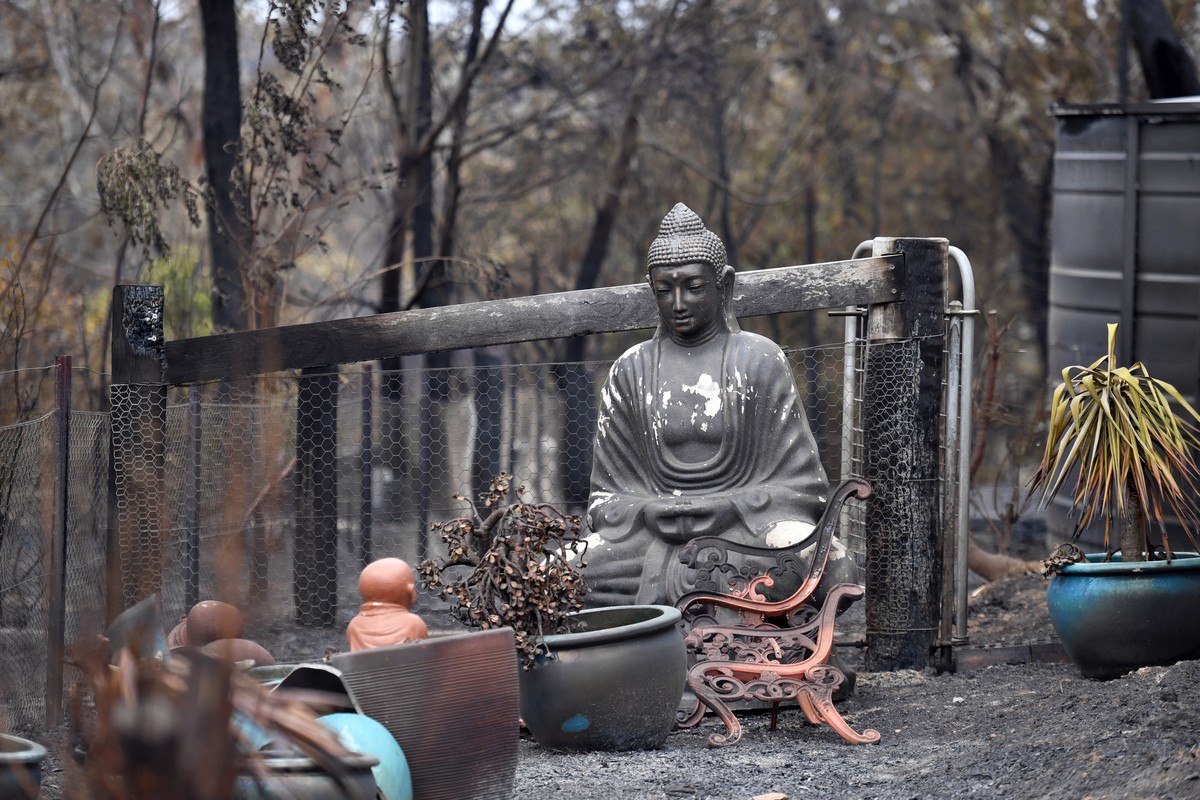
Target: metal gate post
56,576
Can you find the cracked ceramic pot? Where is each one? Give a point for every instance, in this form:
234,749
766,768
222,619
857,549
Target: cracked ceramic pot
20,767
612,684
1116,617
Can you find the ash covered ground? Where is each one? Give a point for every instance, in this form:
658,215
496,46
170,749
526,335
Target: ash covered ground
1030,730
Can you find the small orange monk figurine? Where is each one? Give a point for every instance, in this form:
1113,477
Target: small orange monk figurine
388,591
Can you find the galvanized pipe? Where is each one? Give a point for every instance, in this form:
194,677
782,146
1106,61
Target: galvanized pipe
850,398
849,367
952,511
966,377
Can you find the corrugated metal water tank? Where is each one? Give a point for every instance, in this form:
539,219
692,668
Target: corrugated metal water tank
1125,240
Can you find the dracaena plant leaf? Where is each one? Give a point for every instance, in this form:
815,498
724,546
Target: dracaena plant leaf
1128,442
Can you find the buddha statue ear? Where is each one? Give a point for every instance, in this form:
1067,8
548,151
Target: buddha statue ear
725,276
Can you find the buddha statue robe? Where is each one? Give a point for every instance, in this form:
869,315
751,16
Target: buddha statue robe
726,427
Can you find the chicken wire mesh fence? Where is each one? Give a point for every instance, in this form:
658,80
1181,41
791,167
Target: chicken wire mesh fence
275,494
26,519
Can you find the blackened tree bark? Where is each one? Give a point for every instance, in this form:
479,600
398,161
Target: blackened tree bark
411,228
411,237
1166,64
575,383
1023,175
1027,215
221,123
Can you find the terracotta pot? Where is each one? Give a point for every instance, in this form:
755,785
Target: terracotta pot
210,620
237,650
452,704
615,685
1116,617
20,767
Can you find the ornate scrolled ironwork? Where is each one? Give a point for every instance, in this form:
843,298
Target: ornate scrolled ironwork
776,651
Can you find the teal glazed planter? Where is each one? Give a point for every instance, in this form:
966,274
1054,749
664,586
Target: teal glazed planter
613,685
20,767
1116,617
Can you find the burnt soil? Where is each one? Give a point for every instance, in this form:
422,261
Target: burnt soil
1028,730
1021,730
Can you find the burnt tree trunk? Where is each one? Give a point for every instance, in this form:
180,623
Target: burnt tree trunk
221,123
1166,64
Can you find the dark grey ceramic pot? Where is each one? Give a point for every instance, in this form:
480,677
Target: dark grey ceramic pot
20,767
613,685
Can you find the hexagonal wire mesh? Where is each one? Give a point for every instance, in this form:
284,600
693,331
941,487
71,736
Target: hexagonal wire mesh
276,491
27,516
22,561
276,495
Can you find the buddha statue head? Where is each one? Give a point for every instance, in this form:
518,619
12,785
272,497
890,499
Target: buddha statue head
692,284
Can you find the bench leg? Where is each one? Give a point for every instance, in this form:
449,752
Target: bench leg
705,687
817,701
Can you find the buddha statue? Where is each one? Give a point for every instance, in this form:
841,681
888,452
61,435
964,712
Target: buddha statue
388,590
701,432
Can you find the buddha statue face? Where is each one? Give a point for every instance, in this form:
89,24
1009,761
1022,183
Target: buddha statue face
691,301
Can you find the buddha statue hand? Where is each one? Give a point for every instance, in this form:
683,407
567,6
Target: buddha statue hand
677,520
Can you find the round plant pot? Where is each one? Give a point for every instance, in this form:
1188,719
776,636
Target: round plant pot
20,767
613,685
1116,617
300,778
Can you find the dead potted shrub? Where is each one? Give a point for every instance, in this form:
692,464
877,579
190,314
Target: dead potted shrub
597,679
1126,443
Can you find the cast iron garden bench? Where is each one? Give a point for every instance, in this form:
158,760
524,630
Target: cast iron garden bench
770,651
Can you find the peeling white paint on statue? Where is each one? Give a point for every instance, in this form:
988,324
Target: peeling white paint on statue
710,390
787,532
598,499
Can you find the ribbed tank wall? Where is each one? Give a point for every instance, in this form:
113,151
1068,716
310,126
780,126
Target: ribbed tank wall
1125,242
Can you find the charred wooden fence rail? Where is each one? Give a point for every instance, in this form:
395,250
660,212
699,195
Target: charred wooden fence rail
901,289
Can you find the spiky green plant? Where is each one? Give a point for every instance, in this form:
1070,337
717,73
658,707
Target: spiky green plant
1116,430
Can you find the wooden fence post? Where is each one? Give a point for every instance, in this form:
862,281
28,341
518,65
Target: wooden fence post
138,402
902,444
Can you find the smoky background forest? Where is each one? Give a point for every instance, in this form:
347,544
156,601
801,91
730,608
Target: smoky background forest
285,161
